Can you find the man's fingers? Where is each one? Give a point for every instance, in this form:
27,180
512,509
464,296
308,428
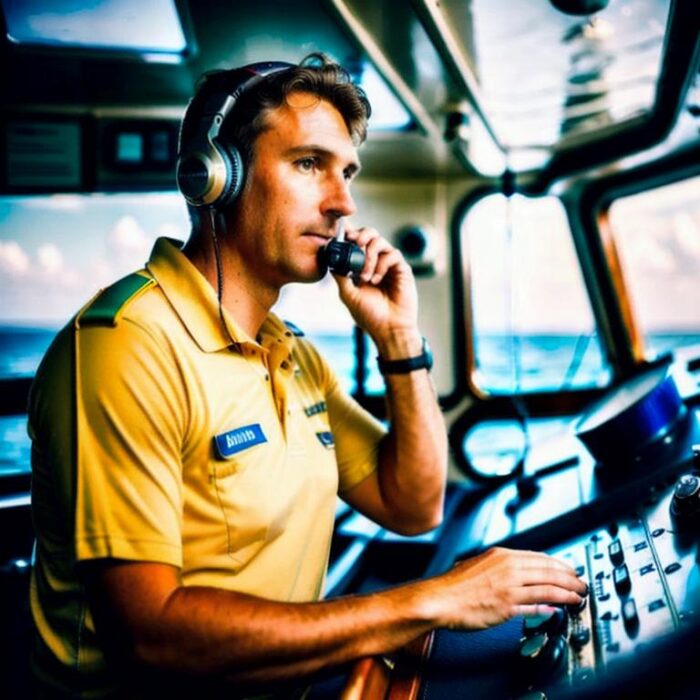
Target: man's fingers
547,593
557,577
536,610
376,251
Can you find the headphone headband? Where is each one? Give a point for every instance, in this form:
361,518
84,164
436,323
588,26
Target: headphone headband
209,172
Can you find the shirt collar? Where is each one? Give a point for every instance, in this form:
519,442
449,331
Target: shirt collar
195,302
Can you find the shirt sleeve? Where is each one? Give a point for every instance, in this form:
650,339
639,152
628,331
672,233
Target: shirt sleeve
356,432
130,420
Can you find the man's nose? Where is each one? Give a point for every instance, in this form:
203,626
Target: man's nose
339,200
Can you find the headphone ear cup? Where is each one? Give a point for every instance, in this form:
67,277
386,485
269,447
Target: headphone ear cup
235,174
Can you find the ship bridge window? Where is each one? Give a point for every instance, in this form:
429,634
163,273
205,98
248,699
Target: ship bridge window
532,327
55,253
657,238
152,30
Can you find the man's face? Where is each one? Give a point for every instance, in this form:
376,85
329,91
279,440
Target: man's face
297,187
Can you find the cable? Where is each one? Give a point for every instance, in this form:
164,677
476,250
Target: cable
219,277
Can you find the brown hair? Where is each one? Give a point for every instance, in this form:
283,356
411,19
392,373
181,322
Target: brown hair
316,74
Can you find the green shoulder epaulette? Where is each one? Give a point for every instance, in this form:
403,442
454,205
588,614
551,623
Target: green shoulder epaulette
109,304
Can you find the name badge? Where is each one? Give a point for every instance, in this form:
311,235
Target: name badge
317,408
326,439
239,439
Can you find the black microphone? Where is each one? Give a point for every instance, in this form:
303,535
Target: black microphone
342,257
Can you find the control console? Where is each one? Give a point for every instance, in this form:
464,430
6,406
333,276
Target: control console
644,585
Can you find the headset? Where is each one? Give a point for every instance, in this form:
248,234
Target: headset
210,172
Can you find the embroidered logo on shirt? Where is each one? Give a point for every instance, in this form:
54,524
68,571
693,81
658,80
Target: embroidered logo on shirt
239,439
317,408
326,439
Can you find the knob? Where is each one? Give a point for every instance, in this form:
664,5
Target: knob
554,622
543,655
580,636
685,504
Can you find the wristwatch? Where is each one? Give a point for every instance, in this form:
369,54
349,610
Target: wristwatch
408,364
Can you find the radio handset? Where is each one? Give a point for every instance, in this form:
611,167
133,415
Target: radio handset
342,257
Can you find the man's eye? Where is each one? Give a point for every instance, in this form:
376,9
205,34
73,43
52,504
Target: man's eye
307,164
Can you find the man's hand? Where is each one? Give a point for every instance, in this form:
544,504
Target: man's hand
500,584
382,300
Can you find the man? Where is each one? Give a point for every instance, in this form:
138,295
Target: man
184,503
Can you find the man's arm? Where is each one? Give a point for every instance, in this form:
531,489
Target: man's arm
406,493
149,621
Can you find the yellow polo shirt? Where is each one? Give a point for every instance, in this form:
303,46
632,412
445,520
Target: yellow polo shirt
155,439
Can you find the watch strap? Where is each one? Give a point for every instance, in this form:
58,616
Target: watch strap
408,364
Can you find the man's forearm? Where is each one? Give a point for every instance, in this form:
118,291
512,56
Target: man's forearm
246,639
413,458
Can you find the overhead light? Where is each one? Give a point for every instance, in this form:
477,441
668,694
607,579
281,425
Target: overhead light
151,29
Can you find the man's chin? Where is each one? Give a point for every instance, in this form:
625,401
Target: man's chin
310,274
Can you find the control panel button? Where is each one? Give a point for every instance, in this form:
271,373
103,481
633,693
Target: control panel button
600,587
621,579
617,556
580,636
629,616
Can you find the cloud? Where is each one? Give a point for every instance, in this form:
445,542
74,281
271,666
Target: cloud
13,259
47,271
128,239
651,255
687,235
50,258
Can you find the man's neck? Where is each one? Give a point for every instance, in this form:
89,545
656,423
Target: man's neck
244,298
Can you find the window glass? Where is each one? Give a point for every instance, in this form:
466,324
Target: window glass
657,236
55,253
533,327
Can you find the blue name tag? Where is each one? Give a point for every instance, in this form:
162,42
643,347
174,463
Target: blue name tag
326,439
239,439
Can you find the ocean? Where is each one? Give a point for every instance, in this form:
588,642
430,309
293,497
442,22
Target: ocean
552,362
